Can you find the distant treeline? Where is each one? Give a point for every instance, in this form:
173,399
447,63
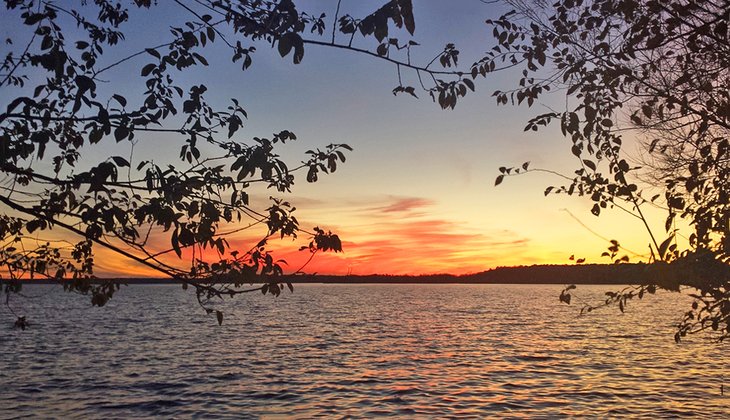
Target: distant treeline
534,274
566,274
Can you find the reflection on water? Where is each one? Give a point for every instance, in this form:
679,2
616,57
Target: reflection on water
357,350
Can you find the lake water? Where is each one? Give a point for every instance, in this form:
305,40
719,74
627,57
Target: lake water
356,351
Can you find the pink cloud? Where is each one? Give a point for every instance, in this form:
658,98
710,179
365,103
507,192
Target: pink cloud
404,204
397,237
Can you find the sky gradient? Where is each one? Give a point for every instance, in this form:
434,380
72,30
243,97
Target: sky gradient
417,194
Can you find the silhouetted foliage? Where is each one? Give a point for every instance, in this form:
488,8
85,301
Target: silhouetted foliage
656,69
56,114
60,108
661,72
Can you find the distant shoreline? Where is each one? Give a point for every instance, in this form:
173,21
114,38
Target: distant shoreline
535,274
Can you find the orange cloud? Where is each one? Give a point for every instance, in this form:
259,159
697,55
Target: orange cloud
397,235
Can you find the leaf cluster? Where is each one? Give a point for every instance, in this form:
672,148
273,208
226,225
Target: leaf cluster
657,70
52,130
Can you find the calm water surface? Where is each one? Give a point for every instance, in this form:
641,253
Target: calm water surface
356,351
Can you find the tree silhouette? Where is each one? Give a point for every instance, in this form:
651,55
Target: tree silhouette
58,114
656,70
55,116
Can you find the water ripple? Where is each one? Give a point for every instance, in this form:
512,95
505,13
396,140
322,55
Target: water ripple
357,351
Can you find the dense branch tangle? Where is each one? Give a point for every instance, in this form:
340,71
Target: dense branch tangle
660,71
121,203
58,117
656,67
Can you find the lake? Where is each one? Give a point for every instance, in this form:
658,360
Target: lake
356,351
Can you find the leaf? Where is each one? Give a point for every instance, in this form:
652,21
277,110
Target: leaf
596,210
664,245
201,59
77,104
120,161
298,50
84,83
152,52
590,113
146,70
95,136
33,18
647,110
175,244
498,180
120,133
382,49
46,43
565,297
623,165
286,43
406,11
32,225
121,99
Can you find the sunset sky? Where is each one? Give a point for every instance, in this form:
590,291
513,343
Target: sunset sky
417,193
